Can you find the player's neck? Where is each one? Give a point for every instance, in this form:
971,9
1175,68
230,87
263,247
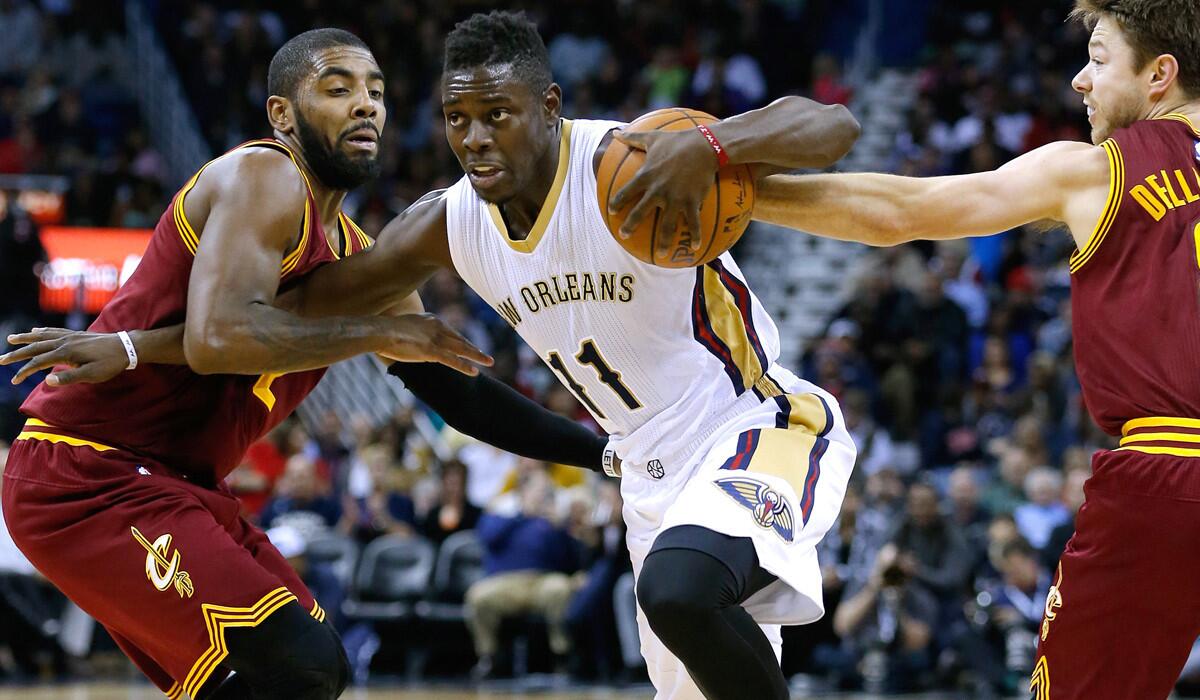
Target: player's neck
1184,106
522,211
328,201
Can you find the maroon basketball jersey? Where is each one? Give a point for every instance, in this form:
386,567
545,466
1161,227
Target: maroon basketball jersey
197,424
1136,291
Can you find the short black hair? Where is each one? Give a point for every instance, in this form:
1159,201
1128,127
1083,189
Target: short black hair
294,59
500,38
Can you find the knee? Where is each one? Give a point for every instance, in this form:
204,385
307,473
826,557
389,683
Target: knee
293,656
669,601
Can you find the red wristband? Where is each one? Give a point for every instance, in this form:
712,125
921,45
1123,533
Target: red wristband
722,156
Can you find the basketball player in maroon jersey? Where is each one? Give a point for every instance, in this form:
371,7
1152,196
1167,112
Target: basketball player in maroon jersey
115,491
1124,609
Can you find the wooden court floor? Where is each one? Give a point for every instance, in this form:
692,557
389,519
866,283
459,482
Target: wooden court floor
118,691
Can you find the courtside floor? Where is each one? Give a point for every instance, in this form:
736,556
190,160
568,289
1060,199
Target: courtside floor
118,691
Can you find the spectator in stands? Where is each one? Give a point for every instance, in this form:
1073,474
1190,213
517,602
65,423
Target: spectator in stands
1072,498
1007,493
302,499
888,624
1016,613
967,514
453,512
1044,511
255,478
320,578
590,615
381,505
527,559
931,551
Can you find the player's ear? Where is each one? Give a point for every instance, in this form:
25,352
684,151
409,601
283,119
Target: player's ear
279,114
1164,74
552,103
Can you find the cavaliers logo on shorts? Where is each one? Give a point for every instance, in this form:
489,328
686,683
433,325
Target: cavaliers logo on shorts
771,511
162,571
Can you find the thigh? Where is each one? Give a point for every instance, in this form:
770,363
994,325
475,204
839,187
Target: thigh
150,556
1122,614
505,594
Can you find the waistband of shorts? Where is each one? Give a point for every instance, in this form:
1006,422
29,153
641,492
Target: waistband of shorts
35,429
1162,435
674,456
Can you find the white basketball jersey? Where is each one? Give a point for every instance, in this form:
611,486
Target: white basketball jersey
660,357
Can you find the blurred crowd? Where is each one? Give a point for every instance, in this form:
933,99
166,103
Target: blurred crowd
952,361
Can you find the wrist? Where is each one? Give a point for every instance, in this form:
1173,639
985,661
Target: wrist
130,351
715,145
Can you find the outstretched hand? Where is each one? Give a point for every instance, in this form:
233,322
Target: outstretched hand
88,358
424,338
676,176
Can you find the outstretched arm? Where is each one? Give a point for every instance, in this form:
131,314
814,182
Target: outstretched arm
1066,182
791,132
232,325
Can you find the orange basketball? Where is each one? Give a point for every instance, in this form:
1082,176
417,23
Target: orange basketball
724,214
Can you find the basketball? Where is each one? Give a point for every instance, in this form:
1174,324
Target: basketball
724,214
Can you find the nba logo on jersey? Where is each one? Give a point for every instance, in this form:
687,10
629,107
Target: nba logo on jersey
770,509
1198,150
655,469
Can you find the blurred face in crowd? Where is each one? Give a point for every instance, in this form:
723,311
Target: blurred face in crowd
964,493
337,116
1115,90
454,482
1020,570
500,129
922,505
1073,489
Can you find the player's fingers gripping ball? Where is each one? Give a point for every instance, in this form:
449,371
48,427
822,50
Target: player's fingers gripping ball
724,214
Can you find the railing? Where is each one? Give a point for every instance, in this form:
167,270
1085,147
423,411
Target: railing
168,116
361,385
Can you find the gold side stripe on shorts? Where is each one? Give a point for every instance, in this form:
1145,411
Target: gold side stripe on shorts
74,442
1159,422
35,423
1152,450
317,612
219,617
1161,437
174,691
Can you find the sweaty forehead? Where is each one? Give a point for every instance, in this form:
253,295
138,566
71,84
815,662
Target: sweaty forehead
489,83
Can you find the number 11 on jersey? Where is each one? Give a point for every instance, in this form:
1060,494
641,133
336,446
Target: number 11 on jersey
589,354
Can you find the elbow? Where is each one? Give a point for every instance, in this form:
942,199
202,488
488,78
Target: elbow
845,132
205,348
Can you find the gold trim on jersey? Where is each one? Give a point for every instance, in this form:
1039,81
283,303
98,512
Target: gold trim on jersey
547,211
1176,116
1159,430
174,691
1159,422
364,241
27,434
730,326
219,617
1116,193
317,612
191,240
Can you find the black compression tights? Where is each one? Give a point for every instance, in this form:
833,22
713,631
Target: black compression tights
691,588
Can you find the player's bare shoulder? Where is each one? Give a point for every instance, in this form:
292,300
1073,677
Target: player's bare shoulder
255,182
419,232
1085,175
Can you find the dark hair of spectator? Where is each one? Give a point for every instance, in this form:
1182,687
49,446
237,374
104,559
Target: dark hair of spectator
1018,546
499,39
294,59
1154,28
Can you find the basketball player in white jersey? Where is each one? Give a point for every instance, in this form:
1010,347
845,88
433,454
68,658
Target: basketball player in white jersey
732,468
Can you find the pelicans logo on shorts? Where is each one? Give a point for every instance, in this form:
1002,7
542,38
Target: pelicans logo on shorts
771,511
161,571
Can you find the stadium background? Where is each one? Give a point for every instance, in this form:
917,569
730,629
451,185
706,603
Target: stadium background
952,361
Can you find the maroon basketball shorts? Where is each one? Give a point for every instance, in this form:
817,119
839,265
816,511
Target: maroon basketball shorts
1124,609
165,565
